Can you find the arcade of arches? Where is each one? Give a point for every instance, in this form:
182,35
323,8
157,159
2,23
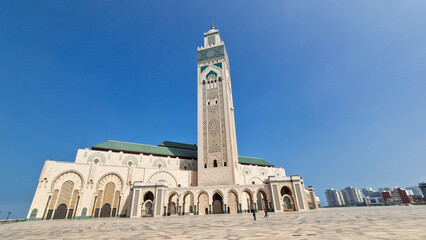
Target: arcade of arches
217,202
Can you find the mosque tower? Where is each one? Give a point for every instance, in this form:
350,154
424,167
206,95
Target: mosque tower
217,143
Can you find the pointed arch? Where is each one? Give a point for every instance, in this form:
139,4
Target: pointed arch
64,176
163,176
110,177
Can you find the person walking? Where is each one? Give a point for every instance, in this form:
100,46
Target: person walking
254,214
266,213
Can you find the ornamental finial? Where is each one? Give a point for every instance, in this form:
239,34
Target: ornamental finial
212,26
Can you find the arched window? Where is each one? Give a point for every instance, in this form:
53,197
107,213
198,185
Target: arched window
205,165
215,163
224,164
34,213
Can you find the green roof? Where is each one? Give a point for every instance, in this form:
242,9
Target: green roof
192,147
167,148
149,149
253,161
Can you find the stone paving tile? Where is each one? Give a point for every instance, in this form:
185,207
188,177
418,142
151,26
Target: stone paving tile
406,222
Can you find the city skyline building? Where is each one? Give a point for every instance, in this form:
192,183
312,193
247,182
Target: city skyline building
416,190
422,187
334,198
367,191
352,196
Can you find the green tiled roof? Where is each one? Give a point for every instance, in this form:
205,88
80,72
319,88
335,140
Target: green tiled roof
192,147
142,148
253,161
167,148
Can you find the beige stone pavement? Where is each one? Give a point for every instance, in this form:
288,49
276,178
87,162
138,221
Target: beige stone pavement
397,222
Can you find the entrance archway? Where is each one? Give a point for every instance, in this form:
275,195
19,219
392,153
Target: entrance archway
60,212
173,204
217,204
247,203
288,203
148,209
287,197
203,203
106,210
262,201
188,202
232,202
172,208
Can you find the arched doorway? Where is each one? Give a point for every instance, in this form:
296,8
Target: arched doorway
173,203
172,208
217,204
288,203
148,209
60,212
262,201
106,210
107,200
232,202
148,199
247,203
188,202
203,203
287,197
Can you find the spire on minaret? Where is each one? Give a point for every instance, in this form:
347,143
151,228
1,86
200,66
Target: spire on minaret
212,26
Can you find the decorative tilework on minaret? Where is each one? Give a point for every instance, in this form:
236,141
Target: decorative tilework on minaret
217,147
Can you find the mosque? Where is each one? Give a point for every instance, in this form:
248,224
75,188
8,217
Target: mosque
122,179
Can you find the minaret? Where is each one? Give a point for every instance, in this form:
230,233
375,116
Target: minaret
217,143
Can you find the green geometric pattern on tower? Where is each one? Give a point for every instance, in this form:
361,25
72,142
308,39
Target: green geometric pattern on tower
211,72
218,65
211,53
203,68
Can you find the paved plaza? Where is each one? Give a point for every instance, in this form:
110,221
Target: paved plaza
402,222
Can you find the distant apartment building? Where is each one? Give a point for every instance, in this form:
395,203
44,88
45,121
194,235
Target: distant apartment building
397,196
367,191
374,199
352,196
400,196
416,190
387,197
387,189
422,187
334,198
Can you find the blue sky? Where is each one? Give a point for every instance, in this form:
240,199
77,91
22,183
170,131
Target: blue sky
333,91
